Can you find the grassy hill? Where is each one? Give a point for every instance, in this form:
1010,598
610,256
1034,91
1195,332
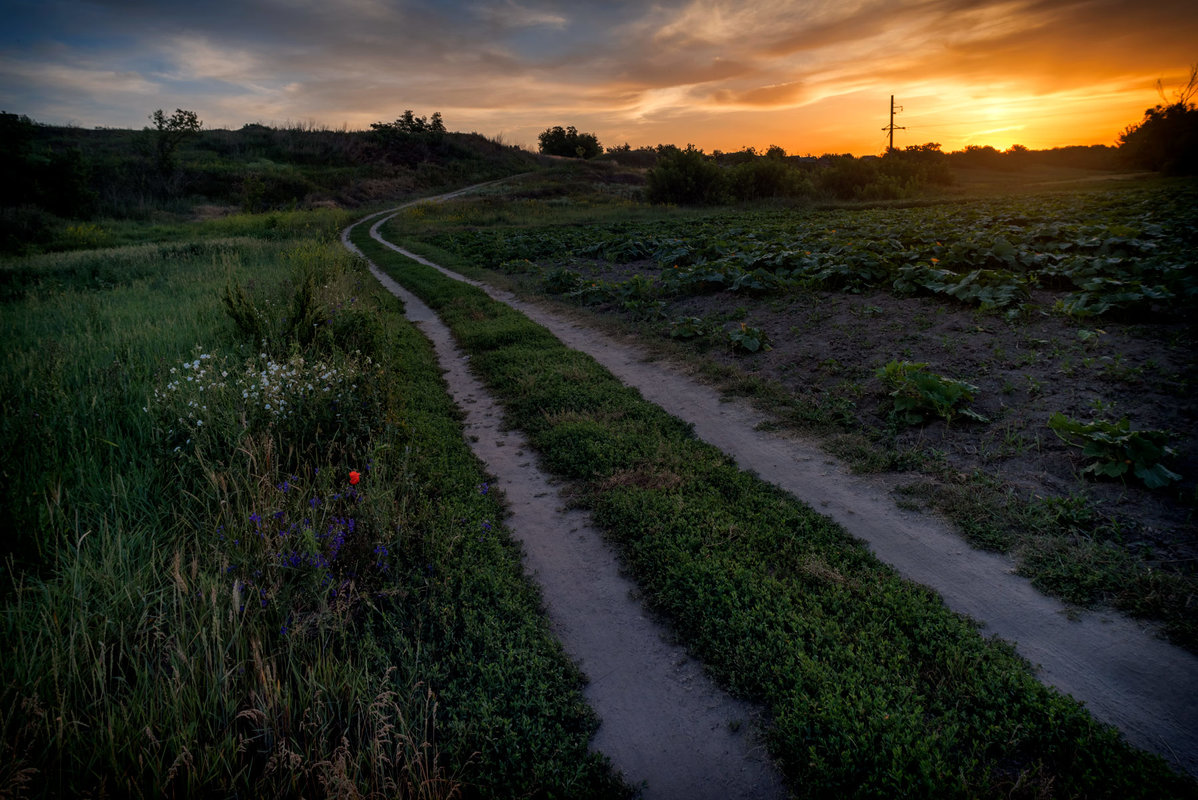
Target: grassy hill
61,176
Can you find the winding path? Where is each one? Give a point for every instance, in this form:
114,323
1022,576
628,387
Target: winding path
663,723
1126,676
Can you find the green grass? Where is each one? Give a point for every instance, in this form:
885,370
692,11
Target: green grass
198,602
555,242
875,689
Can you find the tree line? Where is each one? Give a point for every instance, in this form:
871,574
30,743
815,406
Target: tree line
54,173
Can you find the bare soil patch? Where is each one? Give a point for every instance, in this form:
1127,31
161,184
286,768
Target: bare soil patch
827,349
832,344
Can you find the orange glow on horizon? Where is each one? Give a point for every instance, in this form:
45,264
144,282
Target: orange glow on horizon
807,75
845,125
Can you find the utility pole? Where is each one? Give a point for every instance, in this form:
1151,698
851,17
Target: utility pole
892,127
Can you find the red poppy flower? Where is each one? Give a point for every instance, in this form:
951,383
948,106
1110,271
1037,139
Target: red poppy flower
354,477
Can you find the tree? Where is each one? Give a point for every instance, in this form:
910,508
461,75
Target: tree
410,140
410,124
170,133
54,177
1166,140
927,150
16,158
409,127
979,154
568,142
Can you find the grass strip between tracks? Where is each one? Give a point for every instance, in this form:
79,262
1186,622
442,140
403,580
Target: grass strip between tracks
874,687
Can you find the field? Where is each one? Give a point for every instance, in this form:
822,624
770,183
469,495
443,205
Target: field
873,687
932,345
253,554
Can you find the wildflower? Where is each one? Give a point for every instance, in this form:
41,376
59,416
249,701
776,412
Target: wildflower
355,476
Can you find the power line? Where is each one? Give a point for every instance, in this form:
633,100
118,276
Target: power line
892,127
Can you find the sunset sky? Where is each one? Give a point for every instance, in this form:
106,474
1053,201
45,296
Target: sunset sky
812,76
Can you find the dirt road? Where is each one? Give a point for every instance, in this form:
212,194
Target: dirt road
1126,675
664,724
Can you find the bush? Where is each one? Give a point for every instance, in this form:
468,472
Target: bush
55,178
686,177
846,178
410,140
23,228
917,165
263,189
768,177
568,142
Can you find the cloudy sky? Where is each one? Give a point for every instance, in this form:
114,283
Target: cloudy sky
812,76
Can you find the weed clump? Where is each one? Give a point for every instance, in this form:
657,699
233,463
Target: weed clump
919,393
1116,449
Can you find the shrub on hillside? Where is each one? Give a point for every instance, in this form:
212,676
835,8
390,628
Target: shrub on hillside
410,140
23,228
569,142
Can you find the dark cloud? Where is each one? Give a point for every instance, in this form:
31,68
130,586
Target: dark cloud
527,64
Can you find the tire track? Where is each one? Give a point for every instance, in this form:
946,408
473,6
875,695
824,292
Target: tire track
1126,675
664,723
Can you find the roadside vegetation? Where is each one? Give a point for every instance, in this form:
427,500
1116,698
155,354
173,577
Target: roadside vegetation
250,553
874,688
